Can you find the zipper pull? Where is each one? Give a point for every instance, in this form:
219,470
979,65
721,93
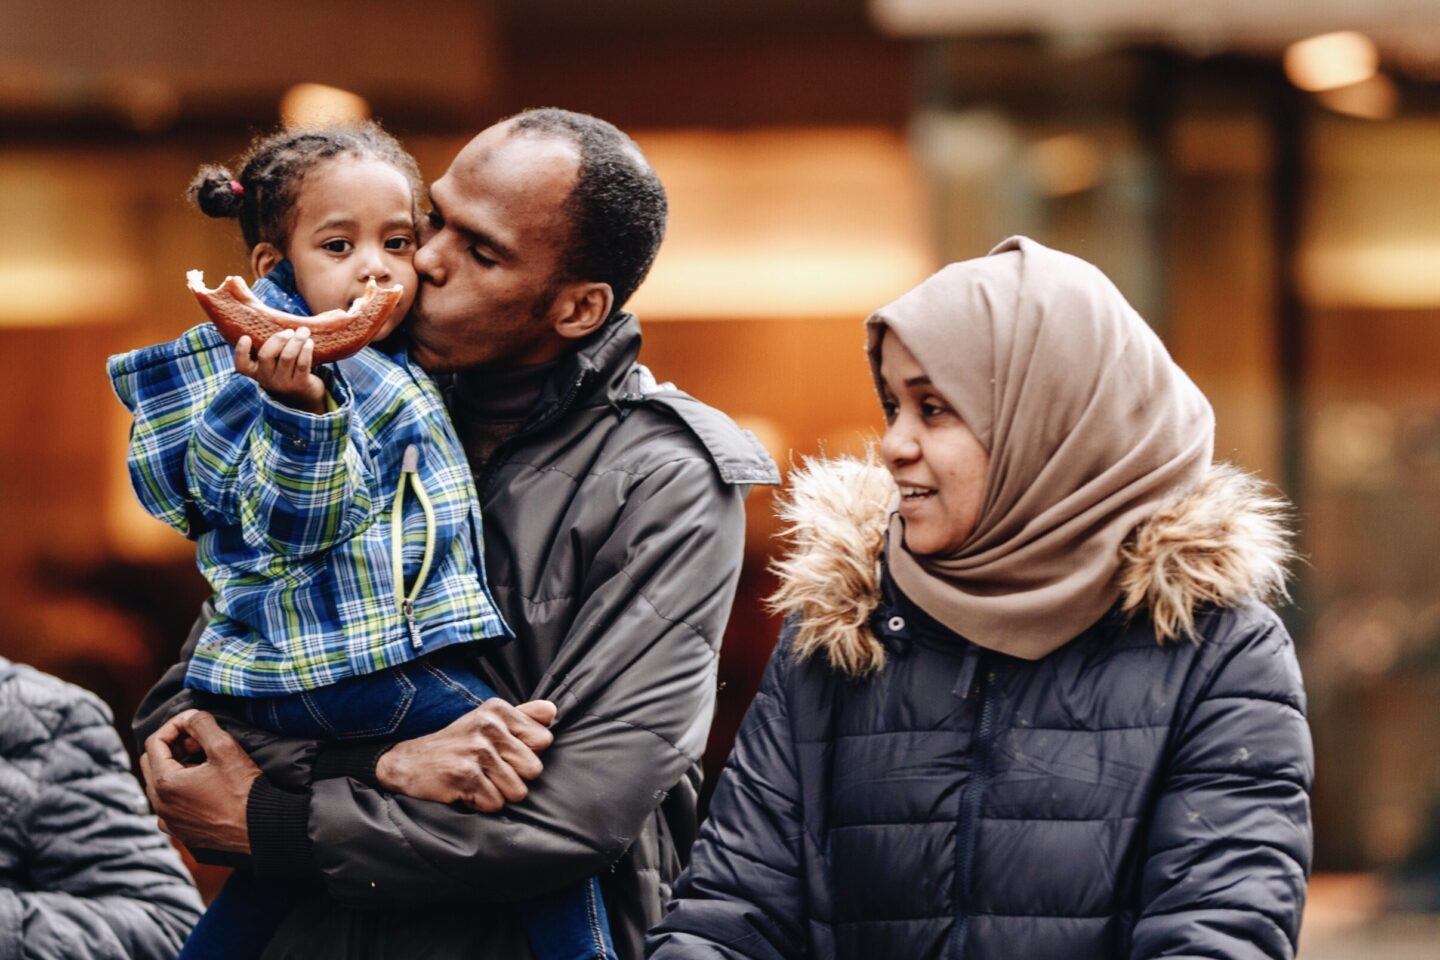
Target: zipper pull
408,609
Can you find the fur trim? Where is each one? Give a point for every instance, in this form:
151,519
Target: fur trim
835,516
1221,543
1224,542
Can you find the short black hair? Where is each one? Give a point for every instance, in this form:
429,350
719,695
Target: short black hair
617,208
263,196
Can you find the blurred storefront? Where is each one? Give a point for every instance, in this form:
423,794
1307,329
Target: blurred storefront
821,157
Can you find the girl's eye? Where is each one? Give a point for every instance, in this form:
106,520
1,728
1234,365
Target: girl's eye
931,410
337,246
399,243
889,408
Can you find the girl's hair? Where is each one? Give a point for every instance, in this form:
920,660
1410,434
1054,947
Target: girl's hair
263,196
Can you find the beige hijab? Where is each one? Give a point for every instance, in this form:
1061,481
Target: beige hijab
1089,425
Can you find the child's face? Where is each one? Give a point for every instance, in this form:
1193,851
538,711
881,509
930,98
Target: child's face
353,220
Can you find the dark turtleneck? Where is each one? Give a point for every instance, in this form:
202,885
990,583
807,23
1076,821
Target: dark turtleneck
489,407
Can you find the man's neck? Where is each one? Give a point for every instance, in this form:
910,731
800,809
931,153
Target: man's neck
489,394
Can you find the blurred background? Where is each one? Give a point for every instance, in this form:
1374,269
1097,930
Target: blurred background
1262,179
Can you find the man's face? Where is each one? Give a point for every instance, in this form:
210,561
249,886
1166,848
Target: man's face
492,253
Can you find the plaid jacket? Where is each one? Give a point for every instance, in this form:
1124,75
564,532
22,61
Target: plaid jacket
292,513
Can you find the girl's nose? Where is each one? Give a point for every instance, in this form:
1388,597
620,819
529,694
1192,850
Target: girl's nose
375,267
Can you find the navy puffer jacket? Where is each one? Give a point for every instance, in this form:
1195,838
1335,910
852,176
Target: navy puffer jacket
896,791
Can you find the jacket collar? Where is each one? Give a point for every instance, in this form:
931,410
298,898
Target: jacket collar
1220,543
592,372
600,364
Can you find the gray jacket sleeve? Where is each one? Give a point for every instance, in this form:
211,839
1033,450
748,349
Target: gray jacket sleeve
635,680
1229,846
103,882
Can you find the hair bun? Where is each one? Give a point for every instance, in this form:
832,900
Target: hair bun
213,193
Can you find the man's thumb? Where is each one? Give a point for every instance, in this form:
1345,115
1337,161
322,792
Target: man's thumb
541,711
212,739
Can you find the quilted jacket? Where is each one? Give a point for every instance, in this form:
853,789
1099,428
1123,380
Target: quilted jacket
84,872
896,791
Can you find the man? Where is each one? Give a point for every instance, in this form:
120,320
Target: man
613,535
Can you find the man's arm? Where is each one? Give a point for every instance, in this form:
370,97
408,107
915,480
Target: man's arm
635,681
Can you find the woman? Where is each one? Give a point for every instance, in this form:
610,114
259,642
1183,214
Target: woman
1028,702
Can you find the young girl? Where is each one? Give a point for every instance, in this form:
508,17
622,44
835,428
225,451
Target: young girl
333,509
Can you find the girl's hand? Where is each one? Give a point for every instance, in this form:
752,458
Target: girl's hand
282,367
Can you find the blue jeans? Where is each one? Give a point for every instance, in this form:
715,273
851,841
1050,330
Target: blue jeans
401,703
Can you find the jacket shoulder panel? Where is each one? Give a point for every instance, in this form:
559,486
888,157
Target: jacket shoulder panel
737,454
1252,652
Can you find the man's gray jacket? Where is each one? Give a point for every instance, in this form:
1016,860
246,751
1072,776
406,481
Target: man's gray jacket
84,872
614,530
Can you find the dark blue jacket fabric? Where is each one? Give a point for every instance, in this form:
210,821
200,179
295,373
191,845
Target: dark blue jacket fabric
1118,798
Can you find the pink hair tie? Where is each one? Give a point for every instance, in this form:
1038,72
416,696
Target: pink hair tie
237,188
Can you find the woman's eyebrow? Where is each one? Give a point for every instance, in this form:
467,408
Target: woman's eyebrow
920,381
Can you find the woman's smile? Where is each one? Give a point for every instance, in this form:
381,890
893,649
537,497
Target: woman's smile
913,498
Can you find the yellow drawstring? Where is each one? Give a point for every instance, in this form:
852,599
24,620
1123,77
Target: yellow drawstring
410,471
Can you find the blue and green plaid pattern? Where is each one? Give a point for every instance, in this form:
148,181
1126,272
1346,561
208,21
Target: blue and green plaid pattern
291,513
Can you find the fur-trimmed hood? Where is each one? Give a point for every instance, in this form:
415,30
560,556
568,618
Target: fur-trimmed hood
1220,543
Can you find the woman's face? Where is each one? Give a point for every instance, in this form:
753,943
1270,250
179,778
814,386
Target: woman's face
937,462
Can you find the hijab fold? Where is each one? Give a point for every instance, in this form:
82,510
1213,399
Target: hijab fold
1089,425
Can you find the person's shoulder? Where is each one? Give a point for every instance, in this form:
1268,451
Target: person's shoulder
1245,651
1245,622
190,363
664,423
38,709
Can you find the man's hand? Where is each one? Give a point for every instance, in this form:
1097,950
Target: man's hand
481,760
201,805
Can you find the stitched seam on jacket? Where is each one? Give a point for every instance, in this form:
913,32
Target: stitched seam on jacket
1249,910
603,718
640,592
758,862
950,821
1249,775
1255,697
937,917
646,475
1266,844
400,830
595,474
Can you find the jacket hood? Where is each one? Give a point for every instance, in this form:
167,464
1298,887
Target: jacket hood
1220,543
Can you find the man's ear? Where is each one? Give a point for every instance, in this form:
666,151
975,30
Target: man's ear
263,259
581,309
